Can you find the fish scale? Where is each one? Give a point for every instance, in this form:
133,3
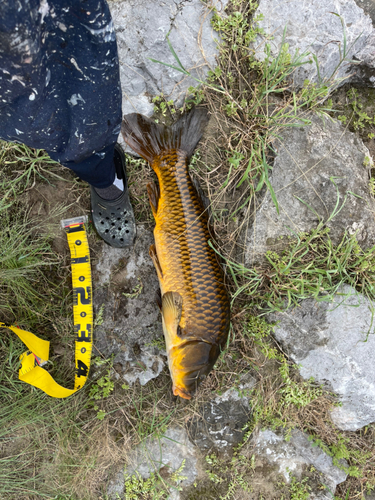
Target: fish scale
189,264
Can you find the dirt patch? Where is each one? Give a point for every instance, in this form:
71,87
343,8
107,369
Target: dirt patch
56,201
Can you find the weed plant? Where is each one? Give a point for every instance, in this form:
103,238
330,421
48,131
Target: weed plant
282,400
357,116
65,448
154,487
51,448
139,174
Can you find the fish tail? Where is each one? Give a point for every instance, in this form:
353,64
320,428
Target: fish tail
149,139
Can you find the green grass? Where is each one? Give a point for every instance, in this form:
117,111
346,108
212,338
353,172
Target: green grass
28,419
21,168
280,407
55,448
299,490
24,254
310,267
139,175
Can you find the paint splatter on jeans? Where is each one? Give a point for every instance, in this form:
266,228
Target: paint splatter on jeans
59,82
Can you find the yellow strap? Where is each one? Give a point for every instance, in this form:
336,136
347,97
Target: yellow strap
31,370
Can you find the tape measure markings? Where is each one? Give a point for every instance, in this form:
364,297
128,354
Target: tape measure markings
82,300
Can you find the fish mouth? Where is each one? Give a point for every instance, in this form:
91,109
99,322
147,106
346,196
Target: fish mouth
179,391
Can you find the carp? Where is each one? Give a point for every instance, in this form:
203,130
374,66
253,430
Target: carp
194,300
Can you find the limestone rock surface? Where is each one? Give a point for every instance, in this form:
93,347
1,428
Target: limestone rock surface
307,158
141,28
167,452
124,300
313,26
219,424
293,456
335,343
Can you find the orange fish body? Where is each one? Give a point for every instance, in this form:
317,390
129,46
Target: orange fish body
195,304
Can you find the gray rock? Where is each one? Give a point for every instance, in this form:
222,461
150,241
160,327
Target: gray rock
328,341
153,454
293,456
142,366
219,424
141,29
116,486
306,159
312,27
130,322
368,6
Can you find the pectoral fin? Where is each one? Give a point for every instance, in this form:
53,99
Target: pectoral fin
171,311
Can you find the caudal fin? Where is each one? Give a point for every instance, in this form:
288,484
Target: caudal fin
149,139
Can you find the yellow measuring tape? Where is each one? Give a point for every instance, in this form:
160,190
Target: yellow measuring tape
31,370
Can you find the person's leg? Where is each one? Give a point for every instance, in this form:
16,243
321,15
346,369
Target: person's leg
59,83
98,169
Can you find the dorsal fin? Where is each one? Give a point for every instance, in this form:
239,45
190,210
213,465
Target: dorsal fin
149,139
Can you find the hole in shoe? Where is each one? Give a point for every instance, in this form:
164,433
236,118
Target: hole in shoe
106,231
127,231
126,222
119,228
